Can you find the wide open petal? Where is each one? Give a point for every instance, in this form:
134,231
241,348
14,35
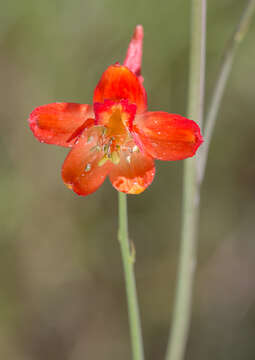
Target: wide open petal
81,171
134,173
167,136
118,83
55,123
134,54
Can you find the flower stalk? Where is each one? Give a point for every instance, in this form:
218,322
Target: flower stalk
220,85
188,258
195,169
128,266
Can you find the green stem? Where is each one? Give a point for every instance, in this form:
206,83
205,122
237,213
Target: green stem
223,75
128,266
187,263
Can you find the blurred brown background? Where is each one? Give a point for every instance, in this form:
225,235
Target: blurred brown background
61,284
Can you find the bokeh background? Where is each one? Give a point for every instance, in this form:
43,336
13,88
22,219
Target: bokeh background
62,294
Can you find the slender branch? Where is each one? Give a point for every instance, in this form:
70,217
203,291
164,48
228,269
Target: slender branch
128,266
187,262
223,75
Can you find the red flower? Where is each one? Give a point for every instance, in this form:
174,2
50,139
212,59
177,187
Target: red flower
116,136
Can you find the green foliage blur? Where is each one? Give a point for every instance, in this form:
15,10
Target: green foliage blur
62,294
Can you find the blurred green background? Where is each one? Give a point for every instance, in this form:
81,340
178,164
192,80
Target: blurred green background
62,294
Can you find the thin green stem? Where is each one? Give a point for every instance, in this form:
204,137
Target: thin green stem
187,262
223,75
128,266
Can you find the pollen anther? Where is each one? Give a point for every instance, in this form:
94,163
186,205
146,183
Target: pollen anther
90,139
115,157
103,161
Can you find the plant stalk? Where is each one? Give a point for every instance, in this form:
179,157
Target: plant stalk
128,266
190,208
220,85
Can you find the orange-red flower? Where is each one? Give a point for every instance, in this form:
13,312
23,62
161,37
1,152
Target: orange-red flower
116,136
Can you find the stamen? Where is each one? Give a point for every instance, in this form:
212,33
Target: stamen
102,161
96,147
88,167
115,157
90,139
106,148
104,129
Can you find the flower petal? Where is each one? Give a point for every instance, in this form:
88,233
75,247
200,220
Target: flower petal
55,123
167,136
118,83
134,173
81,171
134,54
